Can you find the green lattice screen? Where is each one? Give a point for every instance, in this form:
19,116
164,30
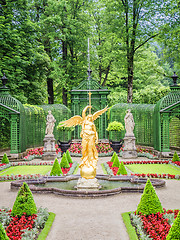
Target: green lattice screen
36,122
165,109
174,130
143,118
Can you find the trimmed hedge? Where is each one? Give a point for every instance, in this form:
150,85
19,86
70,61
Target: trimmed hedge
122,169
3,235
113,157
24,202
149,202
56,169
5,159
116,161
174,232
175,157
64,162
68,156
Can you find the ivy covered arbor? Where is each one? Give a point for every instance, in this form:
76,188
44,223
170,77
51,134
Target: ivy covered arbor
28,122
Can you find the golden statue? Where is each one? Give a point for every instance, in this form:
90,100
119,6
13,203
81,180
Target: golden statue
89,138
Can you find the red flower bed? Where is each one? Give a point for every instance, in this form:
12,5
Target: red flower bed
66,170
17,225
101,148
156,225
177,163
2,164
152,175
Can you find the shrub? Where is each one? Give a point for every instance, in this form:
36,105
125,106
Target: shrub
113,157
3,235
116,161
64,162
5,159
24,202
122,169
175,157
56,169
174,232
149,202
68,156
115,126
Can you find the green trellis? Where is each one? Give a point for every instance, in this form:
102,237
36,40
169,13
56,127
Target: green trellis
155,125
28,122
143,118
80,99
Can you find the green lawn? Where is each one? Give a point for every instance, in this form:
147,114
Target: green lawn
154,168
24,170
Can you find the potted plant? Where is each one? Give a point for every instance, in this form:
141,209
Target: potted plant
65,142
115,127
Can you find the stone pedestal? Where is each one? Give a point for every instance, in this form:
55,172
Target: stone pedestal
88,184
129,147
49,148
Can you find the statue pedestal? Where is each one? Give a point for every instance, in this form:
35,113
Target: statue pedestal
129,147
49,148
88,184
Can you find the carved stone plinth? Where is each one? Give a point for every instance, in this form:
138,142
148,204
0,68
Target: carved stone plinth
49,148
88,184
129,147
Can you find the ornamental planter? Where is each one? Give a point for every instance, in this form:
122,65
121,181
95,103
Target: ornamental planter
64,145
116,145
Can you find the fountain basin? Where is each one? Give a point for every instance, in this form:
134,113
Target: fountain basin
64,185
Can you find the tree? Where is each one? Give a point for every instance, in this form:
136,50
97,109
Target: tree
64,28
141,21
22,57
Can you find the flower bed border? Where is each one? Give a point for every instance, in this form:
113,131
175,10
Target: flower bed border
31,176
132,226
149,175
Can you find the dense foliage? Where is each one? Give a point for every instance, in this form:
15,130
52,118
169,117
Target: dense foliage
44,46
149,203
175,157
3,235
56,169
121,170
174,232
64,162
5,159
24,202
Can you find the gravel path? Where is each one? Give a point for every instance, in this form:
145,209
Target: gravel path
92,219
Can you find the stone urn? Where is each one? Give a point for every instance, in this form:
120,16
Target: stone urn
116,145
64,145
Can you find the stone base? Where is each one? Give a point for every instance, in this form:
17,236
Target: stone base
129,147
49,156
49,148
88,184
129,154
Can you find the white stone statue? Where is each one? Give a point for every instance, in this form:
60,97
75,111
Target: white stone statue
129,123
50,124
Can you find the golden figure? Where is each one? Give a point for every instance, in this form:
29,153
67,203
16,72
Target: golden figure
89,138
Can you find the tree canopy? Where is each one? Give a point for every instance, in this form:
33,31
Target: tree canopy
134,48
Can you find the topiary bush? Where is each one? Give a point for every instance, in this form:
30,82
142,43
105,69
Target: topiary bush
122,169
68,156
56,169
24,202
5,159
113,157
149,203
64,162
174,232
3,235
116,161
175,157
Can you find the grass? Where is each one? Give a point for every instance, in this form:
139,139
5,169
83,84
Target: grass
103,168
154,168
130,229
76,169
24,170
47,227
